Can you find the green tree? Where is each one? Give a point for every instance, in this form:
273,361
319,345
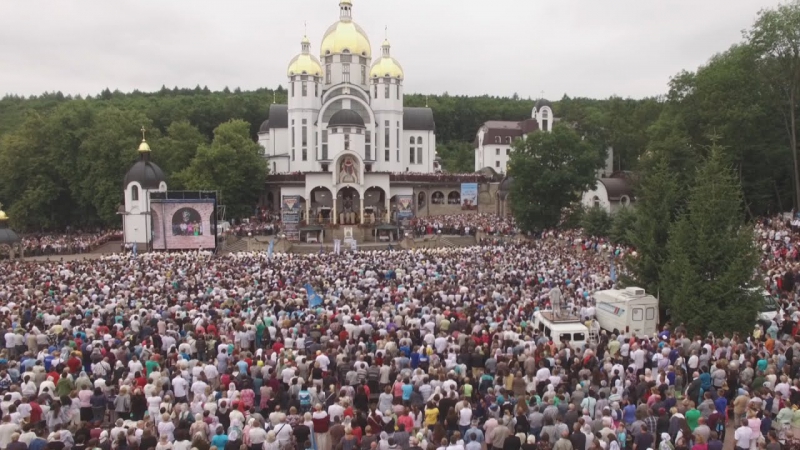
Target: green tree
550,172
621,224
178,148
596,222
230,164
457,157
658,201
105,156
776,38
711,256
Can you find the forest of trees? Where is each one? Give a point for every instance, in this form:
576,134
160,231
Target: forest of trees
62,158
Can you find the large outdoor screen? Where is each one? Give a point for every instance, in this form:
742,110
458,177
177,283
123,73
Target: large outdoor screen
184,224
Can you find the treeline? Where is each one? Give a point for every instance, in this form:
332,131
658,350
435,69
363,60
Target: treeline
63,158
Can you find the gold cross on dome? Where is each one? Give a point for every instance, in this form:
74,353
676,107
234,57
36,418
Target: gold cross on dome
143,130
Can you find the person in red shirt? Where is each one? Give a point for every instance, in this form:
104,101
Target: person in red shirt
141,380
74,364
36,411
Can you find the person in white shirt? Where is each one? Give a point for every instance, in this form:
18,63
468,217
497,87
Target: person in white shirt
179,386
7,428
742,436
199,388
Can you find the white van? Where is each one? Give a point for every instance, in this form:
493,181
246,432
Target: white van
628,310
770,309
568,329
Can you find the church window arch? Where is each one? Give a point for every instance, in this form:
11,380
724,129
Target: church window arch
135,193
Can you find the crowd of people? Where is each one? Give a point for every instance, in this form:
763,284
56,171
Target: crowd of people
386,350
465,225
44,244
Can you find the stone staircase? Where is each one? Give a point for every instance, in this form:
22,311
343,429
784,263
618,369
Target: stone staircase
240,245
446,243
108,248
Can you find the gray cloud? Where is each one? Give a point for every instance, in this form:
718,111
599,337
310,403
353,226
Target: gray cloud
578,47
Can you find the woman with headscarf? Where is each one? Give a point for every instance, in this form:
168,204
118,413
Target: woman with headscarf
665,442
272,442
48,387
166,427
321,426
198,428
163,444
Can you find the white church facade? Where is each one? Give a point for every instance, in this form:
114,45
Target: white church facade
345,142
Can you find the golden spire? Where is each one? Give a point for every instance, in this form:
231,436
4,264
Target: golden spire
144,146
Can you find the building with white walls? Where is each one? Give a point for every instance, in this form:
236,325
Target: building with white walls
337,147
495,138
142,178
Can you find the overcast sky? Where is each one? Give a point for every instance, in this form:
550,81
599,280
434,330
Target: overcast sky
588,48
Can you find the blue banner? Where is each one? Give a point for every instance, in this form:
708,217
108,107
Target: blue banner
469,195
313,298
613,272
271,247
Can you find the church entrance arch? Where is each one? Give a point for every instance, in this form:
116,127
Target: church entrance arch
348,204
374,205
321,206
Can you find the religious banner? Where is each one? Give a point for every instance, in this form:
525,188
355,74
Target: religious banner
290,215
469,195
405,207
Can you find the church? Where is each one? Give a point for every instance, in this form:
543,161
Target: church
345,150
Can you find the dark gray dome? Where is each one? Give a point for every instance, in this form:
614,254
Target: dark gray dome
8,236
542,103
506,184
264,127
146,173
346,118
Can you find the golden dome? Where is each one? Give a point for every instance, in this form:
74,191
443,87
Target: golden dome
3,215
345,35
305,64
386,66
144,146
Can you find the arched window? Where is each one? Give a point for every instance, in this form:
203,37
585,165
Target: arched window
596,201
135,193
420,200
419,140
508,139
437,198
497,139
454,198
625,200
411,140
